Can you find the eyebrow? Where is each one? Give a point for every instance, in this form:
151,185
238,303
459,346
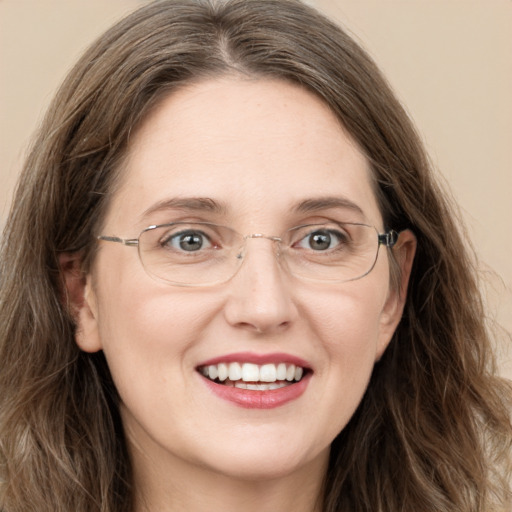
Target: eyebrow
325,203
197,204
207,204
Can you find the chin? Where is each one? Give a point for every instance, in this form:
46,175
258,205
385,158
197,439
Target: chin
268,461
260,470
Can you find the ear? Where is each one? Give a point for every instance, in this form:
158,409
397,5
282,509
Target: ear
403,252
78,296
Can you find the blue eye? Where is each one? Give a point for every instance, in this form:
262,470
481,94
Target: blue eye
189,241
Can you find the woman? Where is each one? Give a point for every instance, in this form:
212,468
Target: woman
241,288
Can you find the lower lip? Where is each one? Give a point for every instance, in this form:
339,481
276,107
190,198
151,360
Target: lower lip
259,399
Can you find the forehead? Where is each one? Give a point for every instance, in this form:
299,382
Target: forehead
254,146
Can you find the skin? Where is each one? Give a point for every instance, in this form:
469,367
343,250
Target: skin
259,147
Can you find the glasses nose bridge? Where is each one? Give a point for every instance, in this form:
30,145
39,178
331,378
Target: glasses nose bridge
243,254
261,235
276,239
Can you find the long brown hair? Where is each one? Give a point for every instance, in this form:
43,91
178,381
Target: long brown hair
432,432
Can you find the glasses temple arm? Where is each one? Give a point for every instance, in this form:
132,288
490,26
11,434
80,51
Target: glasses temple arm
124,241
388,239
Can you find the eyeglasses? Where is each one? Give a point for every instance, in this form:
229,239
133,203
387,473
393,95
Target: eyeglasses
202,253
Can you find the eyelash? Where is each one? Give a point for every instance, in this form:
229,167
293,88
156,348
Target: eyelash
333,236
341,238
181,234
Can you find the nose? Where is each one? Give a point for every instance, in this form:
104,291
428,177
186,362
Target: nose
260,295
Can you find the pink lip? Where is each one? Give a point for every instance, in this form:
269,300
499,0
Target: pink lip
251,357
259,399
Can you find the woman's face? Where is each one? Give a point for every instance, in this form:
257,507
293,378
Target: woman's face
261,156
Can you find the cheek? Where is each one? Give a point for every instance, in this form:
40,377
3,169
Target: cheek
352,344
145,328
347,319
342,323
148,326
135,308
149,343
346,325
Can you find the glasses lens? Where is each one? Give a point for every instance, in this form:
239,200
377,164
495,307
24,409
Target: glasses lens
199,254
185,253
332,251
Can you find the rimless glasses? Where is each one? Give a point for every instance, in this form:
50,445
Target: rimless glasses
203,253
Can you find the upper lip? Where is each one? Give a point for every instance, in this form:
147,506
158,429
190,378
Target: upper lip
255,358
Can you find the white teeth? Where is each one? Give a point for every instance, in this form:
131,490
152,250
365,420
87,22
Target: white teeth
281,371
223,371
290,372
250,372
268,373
213,372
242,373
235,371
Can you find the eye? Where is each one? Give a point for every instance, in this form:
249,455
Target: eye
322,240
188,241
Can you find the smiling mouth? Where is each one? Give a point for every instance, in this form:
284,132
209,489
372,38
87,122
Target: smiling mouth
253,376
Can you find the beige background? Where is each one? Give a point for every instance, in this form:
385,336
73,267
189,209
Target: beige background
448,60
